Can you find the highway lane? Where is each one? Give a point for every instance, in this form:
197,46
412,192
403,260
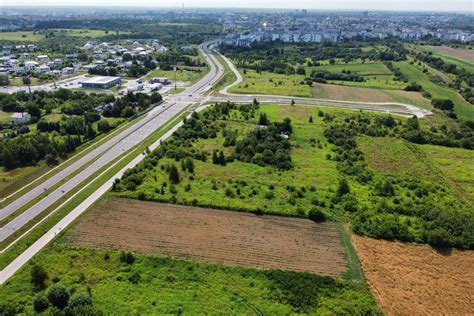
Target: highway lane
154,120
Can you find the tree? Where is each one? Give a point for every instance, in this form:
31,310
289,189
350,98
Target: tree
174,174
40,303
343,187
263,119
189,165
50,160
27,82
443,104
58,296
38,277
4,81
222,161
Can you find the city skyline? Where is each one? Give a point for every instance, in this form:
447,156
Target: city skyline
465,6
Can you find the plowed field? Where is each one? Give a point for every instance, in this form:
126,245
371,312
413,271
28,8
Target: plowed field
218,236
409,279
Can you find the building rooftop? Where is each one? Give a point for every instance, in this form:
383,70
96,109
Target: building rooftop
100,79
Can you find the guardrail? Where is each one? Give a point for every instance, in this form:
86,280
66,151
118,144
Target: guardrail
134,116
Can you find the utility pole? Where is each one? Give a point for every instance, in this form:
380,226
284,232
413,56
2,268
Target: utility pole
174,69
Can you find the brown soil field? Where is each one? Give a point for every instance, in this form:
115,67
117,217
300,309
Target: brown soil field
225,237
340,92
465,54
410,279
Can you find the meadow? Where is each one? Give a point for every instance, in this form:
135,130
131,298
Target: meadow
21,36
271,83
255,187
124,283
414,74
375,74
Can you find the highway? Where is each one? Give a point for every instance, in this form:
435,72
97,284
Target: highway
108,151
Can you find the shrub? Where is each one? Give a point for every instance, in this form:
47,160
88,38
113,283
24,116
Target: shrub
80,299
38,277
40,303
316,215
58,296
343,187
127,257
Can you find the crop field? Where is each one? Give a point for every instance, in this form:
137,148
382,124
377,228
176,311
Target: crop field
359,94
413,73
460,53
462,58
410,279
270,83
216,236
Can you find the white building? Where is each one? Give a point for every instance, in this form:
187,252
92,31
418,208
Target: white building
31,65
43,69
20,118
42,58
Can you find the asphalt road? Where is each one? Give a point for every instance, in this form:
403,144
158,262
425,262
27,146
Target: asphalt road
108,151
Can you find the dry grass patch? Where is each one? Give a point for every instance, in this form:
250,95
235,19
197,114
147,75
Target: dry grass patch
410,279
358,94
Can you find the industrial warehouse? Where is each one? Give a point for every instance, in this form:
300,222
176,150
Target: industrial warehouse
100,82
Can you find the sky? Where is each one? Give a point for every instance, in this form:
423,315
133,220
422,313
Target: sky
396,5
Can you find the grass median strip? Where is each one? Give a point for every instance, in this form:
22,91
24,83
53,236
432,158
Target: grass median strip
23,243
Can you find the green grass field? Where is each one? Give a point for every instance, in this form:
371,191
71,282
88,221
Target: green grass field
451,167
376,75
26,36
158,285
457,165
463,109
86,32
271,83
